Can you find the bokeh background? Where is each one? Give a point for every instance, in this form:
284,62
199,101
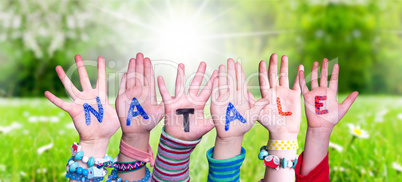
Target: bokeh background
363,36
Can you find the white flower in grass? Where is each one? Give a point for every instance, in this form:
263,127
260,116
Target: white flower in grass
341,169
399,116
7,129
336,146
22,173
54,119
2,167
41,170
45,148
33,119
357,131
397,166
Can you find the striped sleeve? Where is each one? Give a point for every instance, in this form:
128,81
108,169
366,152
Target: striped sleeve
225,169
173,159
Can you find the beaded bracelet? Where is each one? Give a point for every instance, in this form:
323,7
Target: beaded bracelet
274,161
79,155
82,177
113,176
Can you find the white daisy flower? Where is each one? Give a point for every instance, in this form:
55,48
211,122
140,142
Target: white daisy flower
41,170
7,129
341,169
397,166
336,146
357,131
33,119
44,148
54,119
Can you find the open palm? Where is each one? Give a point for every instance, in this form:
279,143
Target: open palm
198,124
95,130
283,114
331,111
138,83
231,88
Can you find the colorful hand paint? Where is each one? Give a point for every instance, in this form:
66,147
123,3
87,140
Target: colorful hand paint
186,114
131,113
318,105
278,103
236,115
98,115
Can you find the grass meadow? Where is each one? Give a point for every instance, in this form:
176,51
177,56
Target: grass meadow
35,138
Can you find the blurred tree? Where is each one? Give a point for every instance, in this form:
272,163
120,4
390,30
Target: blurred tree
36,36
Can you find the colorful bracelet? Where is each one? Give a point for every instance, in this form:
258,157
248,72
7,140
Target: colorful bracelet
274,161
114,178
94,173
79,155
282,145
124,167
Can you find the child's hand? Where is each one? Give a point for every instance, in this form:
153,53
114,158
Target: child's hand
323,112
91,132
231,111
282,119
191,103
322,108
231,89
138,83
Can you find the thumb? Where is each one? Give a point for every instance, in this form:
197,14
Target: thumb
344,107
256,109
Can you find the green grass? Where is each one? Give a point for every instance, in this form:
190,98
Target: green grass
368,159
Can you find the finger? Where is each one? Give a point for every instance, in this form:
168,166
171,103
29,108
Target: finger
344,107
131,74
232,79
58,102
272,70
256,109
101,81
215,90
241,80
82,72
324,73
314,75
68,85
123,82
263,79
163,90
222,80
179,81
206,91
303,86
333,83
296,85
251,99
150,79
197,80
139,69
283,72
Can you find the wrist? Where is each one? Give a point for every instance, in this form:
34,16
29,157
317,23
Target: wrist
319,132
282,136
227,147
95,148
139,141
